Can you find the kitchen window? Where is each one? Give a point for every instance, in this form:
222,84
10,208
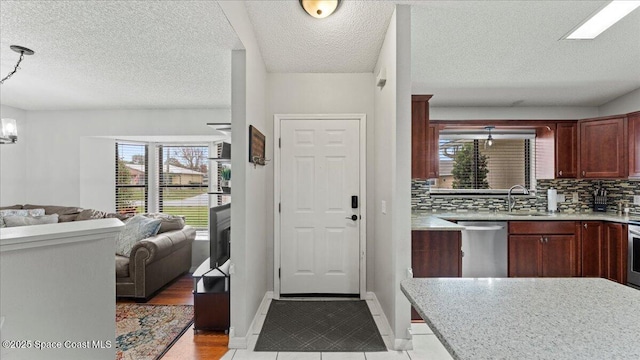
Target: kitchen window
470,164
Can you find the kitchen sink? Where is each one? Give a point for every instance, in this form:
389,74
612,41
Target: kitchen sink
527,214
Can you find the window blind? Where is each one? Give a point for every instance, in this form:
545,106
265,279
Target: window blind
472,164
131,178
183,182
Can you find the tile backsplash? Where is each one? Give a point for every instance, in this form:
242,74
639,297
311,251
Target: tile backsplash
617,190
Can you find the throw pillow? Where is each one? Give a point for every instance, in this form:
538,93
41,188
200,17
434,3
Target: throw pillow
168,222
19,212
17,220
88,214
135,229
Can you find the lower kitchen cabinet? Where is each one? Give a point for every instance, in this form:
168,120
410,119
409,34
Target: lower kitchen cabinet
435,254
592,248
535,251
615,251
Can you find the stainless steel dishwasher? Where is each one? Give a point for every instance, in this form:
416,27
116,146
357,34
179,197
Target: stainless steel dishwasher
484,248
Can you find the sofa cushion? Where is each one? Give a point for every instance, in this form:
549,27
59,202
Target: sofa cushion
88,214
122,266
55,209
135,229
19,212
17,220
121,217
12,207
168,222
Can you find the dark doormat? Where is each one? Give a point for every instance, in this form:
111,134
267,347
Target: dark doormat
317,326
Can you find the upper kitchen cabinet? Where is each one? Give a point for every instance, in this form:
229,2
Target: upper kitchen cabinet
603,148
633,120
566,150
424,140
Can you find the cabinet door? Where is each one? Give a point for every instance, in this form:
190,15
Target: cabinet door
433,159
603,150
525,255
559,256
435,253
592,249
634,144
419,136
615,252
566,150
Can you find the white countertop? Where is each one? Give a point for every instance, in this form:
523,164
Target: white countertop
526,318
434,221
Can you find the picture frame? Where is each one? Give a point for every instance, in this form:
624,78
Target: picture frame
256,146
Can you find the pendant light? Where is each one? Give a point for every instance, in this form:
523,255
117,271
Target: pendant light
23,51
319,9
489,141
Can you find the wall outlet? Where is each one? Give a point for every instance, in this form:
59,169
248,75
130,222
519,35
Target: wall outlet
561,198
575,197
383,206
636,199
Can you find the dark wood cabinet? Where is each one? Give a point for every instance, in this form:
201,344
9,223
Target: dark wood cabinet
615,251
566,150
592,247
435,254
422,139
633,120
539,248
433,159
603,148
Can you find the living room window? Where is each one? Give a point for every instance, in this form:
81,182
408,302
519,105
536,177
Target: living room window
470,164
172,179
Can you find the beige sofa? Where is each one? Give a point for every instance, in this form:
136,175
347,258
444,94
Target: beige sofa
153,262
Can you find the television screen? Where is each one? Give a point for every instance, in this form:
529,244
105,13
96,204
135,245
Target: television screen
219,234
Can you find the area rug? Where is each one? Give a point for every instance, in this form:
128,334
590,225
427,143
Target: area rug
146,332
316,326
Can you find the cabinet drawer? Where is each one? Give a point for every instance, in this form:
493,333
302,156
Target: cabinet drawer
542,227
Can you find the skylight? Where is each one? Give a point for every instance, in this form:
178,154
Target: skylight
603,19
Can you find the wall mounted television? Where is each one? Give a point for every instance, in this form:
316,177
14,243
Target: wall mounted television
219,235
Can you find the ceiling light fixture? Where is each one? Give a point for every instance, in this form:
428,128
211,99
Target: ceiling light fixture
603,19
489,141
23,51
319,8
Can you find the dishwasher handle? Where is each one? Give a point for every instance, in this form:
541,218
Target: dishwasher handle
483,228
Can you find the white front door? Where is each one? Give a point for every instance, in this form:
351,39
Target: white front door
320,175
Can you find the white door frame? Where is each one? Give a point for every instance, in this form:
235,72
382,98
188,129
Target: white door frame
362,118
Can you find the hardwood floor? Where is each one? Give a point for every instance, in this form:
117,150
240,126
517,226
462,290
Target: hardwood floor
203,345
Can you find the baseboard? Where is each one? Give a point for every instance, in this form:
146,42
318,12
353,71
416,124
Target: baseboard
236,342
385,329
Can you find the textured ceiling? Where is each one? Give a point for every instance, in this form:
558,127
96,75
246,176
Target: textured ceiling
501,53
348,41
117,54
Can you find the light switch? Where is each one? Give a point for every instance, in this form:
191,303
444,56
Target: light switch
383,206
636,199
575,197
561,198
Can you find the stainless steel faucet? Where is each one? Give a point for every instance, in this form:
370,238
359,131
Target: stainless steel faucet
512,202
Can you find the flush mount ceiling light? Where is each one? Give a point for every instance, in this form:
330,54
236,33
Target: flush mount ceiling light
603,19
319,8
23,51
489,141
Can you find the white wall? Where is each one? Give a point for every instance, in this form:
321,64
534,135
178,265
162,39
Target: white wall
71,162
322,94
249,191
13,160
622,105
509,113
393,175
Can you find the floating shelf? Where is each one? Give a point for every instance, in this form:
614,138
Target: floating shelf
221,159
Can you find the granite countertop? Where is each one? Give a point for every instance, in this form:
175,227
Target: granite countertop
527,318
426,220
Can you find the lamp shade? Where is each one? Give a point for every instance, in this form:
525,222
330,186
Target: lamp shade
9,131
319,8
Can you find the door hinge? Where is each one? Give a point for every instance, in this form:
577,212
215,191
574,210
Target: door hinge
279,142
279,273
279,207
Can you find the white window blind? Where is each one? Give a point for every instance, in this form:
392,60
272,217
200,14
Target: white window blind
131,178
470,164
183,182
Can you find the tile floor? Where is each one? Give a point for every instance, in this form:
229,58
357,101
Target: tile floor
426,346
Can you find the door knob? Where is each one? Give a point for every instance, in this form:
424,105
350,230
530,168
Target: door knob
353,217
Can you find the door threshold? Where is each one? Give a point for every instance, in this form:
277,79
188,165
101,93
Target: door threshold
316,296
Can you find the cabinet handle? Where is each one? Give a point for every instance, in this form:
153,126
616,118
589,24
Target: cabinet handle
560,172
584,225
584,173
546,240
541,239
